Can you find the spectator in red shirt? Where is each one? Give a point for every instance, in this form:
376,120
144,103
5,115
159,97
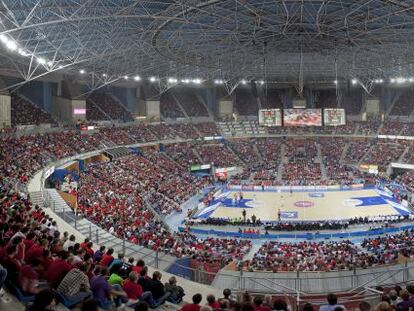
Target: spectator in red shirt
29,277
58,269
138,267
195,306
212,302
36,250
107,258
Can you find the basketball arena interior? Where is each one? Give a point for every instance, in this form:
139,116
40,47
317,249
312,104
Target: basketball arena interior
232,155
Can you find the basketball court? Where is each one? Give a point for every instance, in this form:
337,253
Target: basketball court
305,206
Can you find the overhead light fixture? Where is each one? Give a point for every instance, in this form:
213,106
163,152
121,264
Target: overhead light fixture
380,80
261,82
197,81
81,71
186,81
104,75
11,45
22,52
50,63
153,79
60,67
126,77
137,78
243,82
172,80
410,80
218,81
354,81
392,80
336,81
3,38
400,80
41,60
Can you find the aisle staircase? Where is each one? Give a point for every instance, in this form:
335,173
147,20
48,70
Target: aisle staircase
55,203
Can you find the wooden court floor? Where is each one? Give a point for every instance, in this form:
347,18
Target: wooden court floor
329,205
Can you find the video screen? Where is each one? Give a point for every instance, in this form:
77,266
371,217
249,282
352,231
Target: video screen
302,117
270,117
334,117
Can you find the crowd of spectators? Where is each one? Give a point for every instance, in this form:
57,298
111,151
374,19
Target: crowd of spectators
391,245
24,112
391,128
217,153
369,127
314,256
383,154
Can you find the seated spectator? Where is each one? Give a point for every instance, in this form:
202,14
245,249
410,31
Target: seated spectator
117,261
43,301
107,258
138,267
157,288
258,304
407,302
29,277
212,302
135,292
195,306
103,291
332,303
227,294
144,278
280,305
115,277
97,257
176,292
75,285
58,269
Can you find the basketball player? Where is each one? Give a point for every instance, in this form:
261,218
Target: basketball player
279,215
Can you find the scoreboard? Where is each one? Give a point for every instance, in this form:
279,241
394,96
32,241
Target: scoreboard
270,117
334,117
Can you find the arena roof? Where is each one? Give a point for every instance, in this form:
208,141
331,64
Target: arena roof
286,40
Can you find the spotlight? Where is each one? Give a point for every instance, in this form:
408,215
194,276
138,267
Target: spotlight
354,81
153,79
126,77
218,82
243,82
137,78
104,75
392,80
172,80
60,67
336,81
81,71
50,63
197,81
401,80
186,81
261,82
410,80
